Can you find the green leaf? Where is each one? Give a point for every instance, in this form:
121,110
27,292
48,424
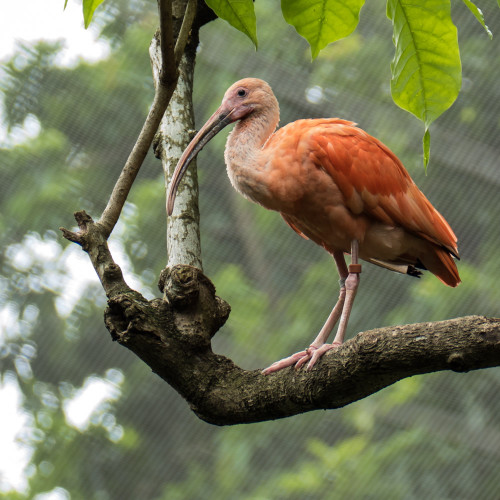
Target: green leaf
238,13
322,22
478,14
89,6
66,3
426,69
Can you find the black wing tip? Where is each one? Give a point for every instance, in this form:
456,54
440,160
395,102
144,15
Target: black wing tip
413,271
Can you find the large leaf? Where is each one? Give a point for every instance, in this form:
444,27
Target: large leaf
238,13
426,69
478,14
322,22
89,6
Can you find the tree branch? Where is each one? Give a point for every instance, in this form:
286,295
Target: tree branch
113,209
173,337
182,39
163,94
174,134
93,240
168,63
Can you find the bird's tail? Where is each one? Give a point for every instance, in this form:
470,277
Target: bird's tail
442,265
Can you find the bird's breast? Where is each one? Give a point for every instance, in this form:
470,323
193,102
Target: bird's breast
278,181
301,191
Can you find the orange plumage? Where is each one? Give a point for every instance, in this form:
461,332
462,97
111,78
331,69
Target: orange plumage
377,195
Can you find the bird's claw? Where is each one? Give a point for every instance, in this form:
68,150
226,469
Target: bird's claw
313,353
317,352
299,359
284,363
304,359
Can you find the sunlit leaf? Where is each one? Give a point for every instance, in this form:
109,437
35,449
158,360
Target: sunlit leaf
238,13
89,7
478,14
322,22
426,69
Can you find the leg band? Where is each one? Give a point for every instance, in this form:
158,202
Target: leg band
355,268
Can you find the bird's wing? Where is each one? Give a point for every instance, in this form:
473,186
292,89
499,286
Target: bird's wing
374,181
289,221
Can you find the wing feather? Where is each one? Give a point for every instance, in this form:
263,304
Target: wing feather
373,181
293,226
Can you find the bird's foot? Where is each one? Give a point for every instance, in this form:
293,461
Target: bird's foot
285,362
299,359
313,353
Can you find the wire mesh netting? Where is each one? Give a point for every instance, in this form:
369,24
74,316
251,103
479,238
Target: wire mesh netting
91,420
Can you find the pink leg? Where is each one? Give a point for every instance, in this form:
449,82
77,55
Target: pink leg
345,300
351,287
301,357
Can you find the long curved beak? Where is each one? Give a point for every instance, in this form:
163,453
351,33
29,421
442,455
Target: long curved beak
212,127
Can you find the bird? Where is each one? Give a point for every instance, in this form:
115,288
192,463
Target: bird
333,184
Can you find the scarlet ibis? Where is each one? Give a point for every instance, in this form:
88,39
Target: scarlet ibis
333,184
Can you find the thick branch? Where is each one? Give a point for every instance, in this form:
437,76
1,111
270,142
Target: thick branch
174,134
173,338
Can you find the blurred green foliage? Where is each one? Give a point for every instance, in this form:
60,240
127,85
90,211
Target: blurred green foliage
435,436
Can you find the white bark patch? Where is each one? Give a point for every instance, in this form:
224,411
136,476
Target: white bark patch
183,230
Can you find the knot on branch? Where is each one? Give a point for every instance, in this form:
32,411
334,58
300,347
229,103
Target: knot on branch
222,310
181,284
112,272
84,221
89,231
190,292
92,237
128,313
457,362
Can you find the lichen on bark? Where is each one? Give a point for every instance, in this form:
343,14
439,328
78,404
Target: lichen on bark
174,134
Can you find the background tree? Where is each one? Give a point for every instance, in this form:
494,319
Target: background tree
438,438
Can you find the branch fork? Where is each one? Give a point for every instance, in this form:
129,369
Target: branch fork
170,59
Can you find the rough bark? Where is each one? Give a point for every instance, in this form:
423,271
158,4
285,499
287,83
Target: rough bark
173,337
174,134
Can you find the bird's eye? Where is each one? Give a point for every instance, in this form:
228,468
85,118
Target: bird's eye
242,93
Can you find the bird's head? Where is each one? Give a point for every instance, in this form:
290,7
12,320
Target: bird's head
243,99
246,97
